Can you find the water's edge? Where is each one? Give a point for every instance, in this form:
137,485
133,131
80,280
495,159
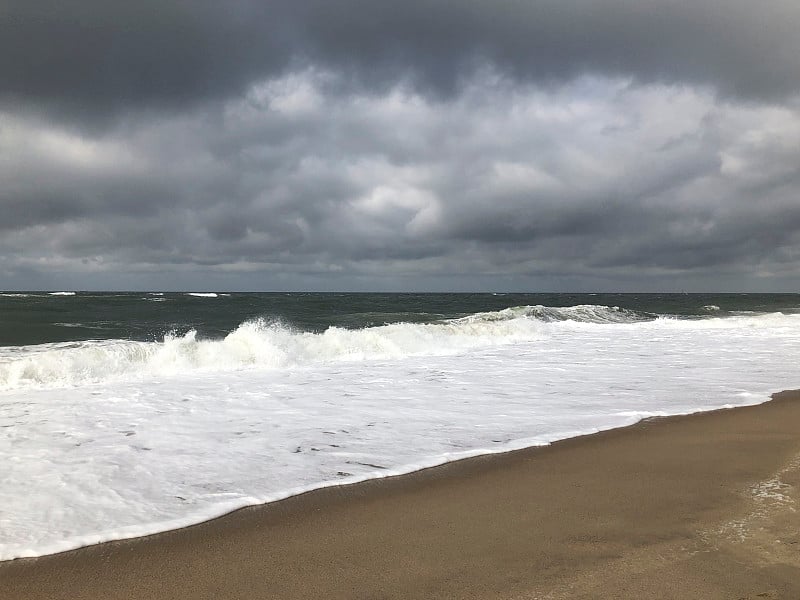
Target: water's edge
131,534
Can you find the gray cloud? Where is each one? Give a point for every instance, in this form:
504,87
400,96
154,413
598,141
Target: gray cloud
371,145
504,184
95,58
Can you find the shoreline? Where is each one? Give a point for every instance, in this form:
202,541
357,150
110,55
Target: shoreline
521,445
666,503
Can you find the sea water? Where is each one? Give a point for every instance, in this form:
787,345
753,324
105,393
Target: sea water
128,414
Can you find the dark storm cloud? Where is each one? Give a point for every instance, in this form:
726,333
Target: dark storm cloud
96,57
737,46
504,181
607,144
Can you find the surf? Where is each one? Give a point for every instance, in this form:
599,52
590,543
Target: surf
271,344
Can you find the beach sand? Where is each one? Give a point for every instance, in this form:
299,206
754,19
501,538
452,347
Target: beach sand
701,506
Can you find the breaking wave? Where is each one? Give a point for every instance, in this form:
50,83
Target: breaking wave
585,313
268,344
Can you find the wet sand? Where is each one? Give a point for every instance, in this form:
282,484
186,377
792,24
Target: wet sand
701,506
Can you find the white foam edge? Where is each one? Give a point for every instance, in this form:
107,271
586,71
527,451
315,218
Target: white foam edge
224,508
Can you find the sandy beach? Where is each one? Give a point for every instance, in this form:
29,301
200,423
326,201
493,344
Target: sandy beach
699,506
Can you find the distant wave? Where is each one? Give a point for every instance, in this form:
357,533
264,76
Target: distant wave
585,313
202,294
39,295
268,344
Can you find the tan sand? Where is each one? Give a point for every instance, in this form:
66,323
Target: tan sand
684,507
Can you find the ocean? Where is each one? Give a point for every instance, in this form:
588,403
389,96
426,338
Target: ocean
125,414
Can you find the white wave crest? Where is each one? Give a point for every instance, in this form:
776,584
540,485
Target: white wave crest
585,313
61,293
258,343
263,344
202,294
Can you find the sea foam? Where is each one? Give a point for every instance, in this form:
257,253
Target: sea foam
265,344
118,439
262,344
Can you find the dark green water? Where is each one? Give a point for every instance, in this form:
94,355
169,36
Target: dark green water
38,317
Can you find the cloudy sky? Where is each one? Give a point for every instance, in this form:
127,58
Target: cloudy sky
531,145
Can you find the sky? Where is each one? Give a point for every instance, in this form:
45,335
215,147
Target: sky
374,145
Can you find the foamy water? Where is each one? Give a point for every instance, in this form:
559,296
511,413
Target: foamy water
112,439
